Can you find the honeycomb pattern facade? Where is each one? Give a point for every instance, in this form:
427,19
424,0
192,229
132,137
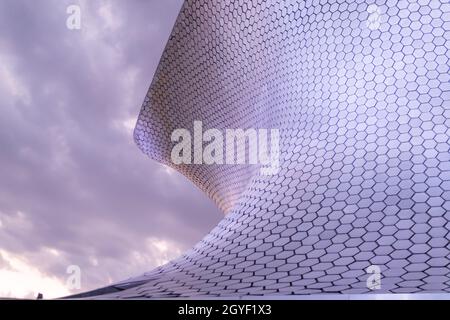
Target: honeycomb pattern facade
360,91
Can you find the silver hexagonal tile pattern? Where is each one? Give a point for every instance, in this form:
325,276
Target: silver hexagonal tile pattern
360,91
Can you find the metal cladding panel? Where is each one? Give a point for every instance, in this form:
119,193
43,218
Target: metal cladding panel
360,91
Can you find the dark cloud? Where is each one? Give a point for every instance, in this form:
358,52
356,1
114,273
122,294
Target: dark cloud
72,179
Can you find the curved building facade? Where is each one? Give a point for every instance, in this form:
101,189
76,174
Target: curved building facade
360,93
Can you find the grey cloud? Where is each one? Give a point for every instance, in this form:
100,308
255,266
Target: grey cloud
67,163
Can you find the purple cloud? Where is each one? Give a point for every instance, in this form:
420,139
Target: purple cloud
74,187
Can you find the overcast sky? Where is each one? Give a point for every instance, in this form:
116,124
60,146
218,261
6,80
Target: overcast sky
74,188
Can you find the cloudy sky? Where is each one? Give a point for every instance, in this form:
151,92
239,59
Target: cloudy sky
74,188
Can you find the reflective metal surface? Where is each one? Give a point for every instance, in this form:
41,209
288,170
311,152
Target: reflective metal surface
360,91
